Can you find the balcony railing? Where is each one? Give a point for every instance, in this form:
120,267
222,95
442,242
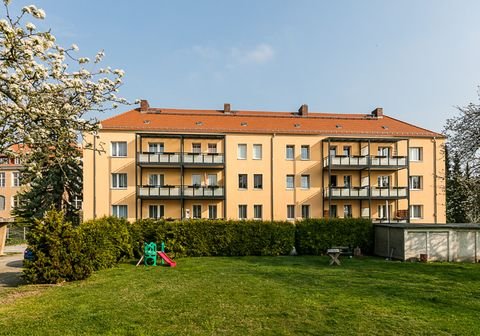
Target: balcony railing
178,158
365,192
364,161
208,158
180,191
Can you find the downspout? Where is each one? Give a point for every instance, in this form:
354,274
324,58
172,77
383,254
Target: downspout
94,175
271,177
435,180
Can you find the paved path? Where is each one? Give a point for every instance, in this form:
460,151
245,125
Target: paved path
11,266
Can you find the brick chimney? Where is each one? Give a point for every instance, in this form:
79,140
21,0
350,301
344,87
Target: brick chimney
303,110
144,106
227,108
378,113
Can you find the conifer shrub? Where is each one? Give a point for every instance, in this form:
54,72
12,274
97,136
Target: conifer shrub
59,252
315,236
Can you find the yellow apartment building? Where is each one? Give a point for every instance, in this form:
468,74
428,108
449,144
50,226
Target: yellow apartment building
179,163
9,186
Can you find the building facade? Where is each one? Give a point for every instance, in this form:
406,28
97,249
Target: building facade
9,186
171,163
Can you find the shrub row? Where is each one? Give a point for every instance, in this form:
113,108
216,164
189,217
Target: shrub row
216,237
63,252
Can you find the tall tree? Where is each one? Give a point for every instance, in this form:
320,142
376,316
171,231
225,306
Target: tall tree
456,196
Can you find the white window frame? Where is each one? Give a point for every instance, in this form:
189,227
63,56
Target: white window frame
412,211
305,181
246,181
347,211
116,180
257,152
156,147
242,211
115,149
255,187
384,151
116,210
212,148
15,179
196,178
290,152
3,202
196,147
212,211
347,151
212,180
197,211
290,182
305,152
15,202
381,181
2,180
306,214
420,182
418,156
241,147
290,211
159,211
257,211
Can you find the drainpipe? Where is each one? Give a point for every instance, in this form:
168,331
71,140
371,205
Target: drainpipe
94,175
271,177
435,180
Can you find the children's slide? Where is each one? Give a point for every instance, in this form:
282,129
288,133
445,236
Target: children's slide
165,257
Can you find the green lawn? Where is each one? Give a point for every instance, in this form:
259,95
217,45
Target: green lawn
254,296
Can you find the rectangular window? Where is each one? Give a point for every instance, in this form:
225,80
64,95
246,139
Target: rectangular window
257,152
415,154
290,181
347,181
290,152
305,182
257,181
15,202
290,211
196,148
2,179
4,160
347,211
119,181
305,152
242,181
120,211
257,211
332,151
242,211
212,148
212,180
333,211
382,212
156,147
2,203
416,211
197,211
333,180
156,211
415,182
156,180
119,148
384,151
15,179
212,212
383,181
242,152
305,210
16,161
77,203
346,150
196,180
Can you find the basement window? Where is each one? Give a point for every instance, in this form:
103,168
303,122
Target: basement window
199,123
296,125
243,124
146,122
338,126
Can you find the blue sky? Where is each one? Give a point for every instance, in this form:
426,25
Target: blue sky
416,59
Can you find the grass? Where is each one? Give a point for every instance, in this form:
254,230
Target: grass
254,296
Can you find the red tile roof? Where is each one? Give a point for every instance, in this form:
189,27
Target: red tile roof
216,121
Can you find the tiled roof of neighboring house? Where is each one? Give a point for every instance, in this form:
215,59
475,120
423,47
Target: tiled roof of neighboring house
218,121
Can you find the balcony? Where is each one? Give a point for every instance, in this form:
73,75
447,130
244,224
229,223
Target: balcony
365,193
178,192
152,159
362,162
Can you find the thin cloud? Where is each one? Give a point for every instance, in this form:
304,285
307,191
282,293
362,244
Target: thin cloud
261,53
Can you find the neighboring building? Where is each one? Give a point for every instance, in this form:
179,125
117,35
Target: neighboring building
9,186
177,163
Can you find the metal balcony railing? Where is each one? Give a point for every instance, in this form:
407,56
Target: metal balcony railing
180,191
203,158
365,192
178,158
359,161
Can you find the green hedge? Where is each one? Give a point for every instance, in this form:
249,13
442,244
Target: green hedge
217,237
315,236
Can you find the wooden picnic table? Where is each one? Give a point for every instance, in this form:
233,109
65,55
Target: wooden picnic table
334,254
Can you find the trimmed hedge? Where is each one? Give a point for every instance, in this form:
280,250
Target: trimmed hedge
315,236
216,237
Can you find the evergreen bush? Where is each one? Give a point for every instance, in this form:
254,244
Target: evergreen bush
315,236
